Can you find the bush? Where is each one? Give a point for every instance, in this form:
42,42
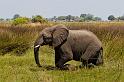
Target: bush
16,40
38,18
20,20
16,48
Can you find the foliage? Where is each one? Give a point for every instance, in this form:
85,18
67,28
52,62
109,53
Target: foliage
23,68
89,17
68,18
16,16
97,19
121,18
1,19
62,18
20,20
83,15
38,18
111,17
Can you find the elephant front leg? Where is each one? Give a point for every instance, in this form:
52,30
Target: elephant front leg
61,63
63,55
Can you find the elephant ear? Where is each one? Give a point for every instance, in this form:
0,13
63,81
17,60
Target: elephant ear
60,34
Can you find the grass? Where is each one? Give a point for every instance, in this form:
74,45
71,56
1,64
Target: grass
17,58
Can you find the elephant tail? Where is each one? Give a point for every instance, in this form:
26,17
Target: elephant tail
101,51
100,57
101,54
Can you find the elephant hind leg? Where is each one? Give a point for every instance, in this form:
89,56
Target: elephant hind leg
90,56
100,57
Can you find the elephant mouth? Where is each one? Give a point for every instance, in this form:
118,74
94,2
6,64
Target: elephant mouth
45,43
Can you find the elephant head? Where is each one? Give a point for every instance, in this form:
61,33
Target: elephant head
53,36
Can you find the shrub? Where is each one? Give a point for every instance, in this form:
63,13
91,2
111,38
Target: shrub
15,40
38,18
20,20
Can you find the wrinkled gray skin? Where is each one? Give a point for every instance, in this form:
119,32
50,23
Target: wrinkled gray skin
79,45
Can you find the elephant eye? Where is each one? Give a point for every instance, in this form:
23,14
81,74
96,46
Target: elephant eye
47,38
44,37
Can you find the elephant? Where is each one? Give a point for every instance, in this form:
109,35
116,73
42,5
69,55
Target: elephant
78,45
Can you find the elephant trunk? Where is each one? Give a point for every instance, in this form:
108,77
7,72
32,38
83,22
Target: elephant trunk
38,43
36,55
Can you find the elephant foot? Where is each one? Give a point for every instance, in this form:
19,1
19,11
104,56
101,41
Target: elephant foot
68,67
39,65
90,65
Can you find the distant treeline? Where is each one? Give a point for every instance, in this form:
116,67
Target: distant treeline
17,19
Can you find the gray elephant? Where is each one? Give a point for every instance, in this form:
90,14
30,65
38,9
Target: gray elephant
79,45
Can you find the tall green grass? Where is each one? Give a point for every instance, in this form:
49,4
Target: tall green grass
17,59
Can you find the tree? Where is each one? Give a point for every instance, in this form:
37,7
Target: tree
68,18
89,17
62,18
38,18
86,17
76,18
121,17
1,19
16,16
8,19
111,17
83,15
54,17
97,19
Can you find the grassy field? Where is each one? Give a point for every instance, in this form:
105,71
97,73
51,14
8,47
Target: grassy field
17,59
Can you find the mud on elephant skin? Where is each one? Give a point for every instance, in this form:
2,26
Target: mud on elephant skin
79,45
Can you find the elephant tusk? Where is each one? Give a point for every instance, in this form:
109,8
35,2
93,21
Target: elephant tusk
37,46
